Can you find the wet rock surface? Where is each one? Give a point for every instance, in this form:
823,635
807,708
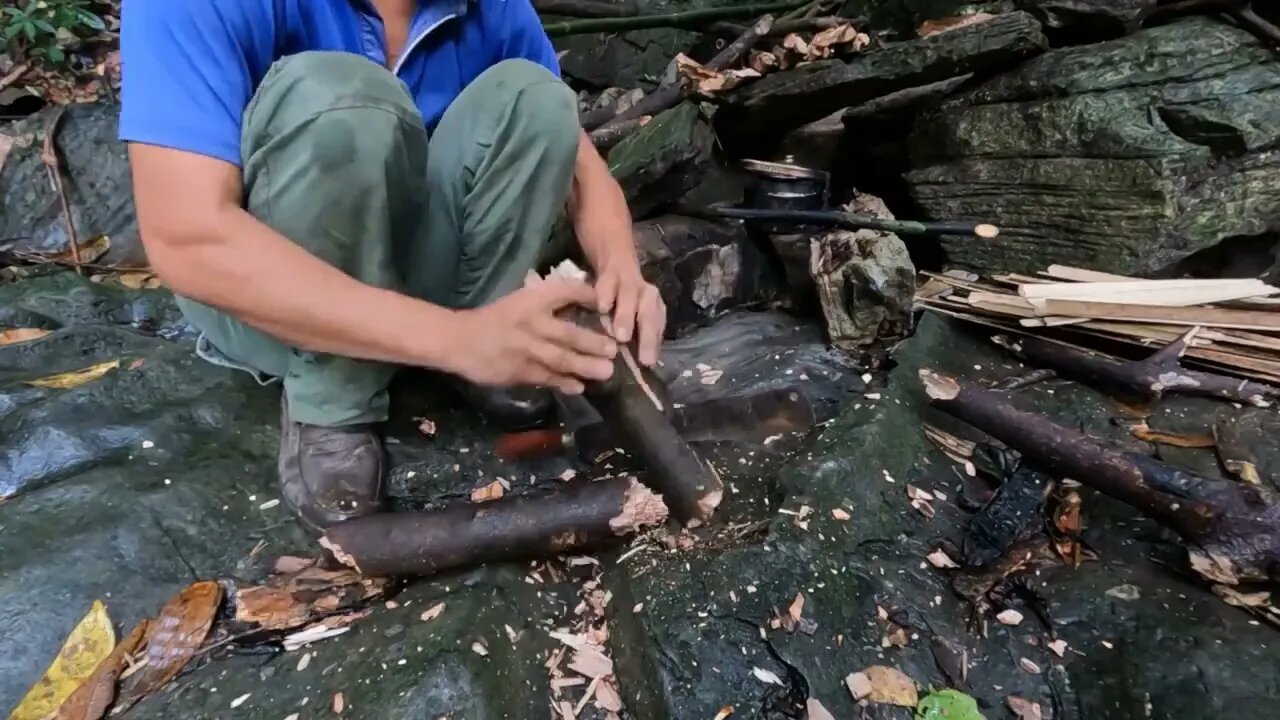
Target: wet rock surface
162,471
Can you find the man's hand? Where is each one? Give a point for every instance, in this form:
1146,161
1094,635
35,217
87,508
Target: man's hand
635,305
518,340
603,226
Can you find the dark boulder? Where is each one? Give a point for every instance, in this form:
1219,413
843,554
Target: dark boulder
1125,156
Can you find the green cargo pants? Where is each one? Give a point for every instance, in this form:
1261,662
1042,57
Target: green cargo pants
337,159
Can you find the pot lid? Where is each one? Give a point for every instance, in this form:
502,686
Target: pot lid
787,169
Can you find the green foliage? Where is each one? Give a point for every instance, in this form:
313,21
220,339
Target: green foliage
42,29
948,705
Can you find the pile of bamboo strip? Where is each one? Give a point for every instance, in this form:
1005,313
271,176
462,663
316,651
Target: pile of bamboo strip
1239,319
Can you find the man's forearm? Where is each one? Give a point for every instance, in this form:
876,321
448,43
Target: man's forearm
248,270
601,219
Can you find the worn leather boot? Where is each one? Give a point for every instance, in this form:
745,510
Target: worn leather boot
330,475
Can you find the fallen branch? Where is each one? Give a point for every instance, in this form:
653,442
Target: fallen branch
685,19
615,132
668,96
786,27
49,156
14,75
1234,528
575,516
1142,380
587,8
1240,10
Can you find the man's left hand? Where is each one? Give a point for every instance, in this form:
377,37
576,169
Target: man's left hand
635,305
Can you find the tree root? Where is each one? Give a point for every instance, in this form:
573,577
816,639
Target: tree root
1233,529
1143,380
575,516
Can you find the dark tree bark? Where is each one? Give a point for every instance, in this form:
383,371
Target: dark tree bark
1145,380
1233,529
575,516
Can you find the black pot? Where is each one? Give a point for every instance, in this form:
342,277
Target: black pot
784,186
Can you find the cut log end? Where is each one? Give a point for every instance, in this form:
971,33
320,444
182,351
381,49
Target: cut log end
986,231
641,508
938,386
339,554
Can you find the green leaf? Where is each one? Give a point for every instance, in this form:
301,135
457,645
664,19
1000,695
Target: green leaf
45,26
948,705
29,29
55,55
90,20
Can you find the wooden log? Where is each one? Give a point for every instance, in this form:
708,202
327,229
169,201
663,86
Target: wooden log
576,516
1233,528
1145,381
783,101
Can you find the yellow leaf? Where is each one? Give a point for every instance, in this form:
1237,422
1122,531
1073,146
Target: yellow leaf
88,644
17,335
68,380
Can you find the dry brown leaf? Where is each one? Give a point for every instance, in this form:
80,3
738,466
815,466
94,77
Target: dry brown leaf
272,608
173,638
796,44
1024,709
941,560
89,251
1142,432
885,685
762,62
895,637
75,378
432,612
934,27
1215,567
815,711
19,335
708,82
92,699
839,39
139,280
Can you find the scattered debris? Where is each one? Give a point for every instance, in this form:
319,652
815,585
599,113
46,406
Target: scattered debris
20,335
814,710
479,649
426,427
1128,593
1058,647
840,514
432,612
339,703
173,638
1028,666
1024,709
492,491
883,684
921,500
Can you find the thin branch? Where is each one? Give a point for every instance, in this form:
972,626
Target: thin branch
686,19
49,156
14,75
587,8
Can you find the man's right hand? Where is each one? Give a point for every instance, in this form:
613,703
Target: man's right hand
518,340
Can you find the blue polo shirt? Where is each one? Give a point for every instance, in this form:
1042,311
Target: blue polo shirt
191,66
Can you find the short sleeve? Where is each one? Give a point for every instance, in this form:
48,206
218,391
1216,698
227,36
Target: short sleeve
189,70
523,36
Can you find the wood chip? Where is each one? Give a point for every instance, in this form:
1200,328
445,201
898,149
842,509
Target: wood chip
607,697
426,427
479,649
725,712
814,710
940,559
591,662
1010,617
885,685
339,704
19,335
1028,666
492,491
767,676
1232,596
1059,647
840,514
1024,709
432,612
